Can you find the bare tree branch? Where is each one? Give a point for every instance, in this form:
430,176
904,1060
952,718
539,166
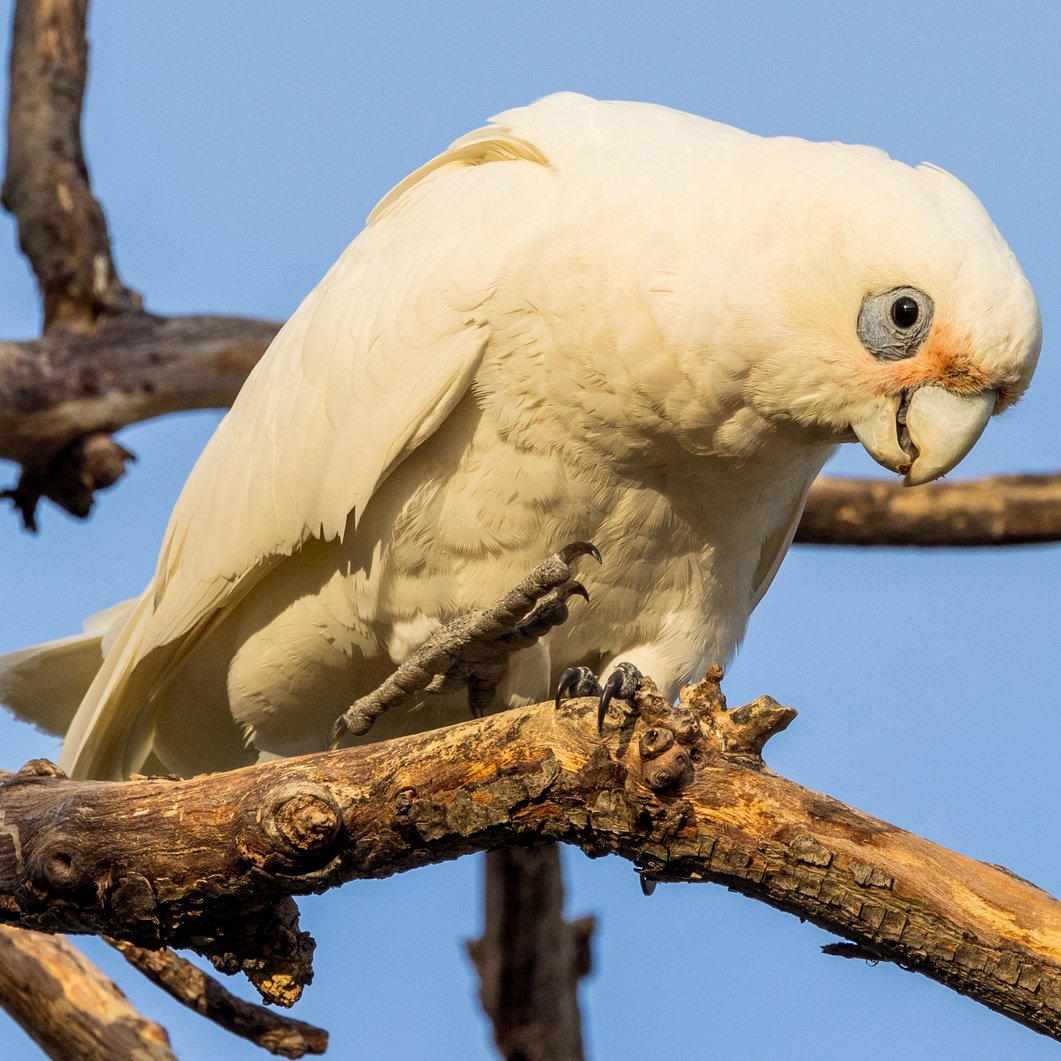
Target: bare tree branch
190,986
63,395
103,363
1002,510
529,958
61,226
682,792
68,1007
58,391
62,387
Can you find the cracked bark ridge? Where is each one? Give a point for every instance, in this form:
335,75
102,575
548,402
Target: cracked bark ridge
207,862
262,940
70,1009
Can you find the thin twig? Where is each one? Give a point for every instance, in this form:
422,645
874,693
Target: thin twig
193,988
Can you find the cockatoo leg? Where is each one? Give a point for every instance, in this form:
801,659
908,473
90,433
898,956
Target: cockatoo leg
621,684
473,650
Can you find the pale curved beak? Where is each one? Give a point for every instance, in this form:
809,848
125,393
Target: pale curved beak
878,431
926,432
943,427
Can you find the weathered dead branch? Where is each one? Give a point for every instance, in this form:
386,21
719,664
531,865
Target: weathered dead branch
102,363
63,395
211,862
68,1007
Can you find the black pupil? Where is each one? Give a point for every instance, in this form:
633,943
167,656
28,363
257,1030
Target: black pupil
905,312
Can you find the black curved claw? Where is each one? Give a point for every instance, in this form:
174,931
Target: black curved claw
339,730
576,681
611,687
573,550
647,886
568,680
621,684
573,589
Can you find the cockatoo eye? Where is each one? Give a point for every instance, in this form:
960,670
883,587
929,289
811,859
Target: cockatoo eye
905,312
893,325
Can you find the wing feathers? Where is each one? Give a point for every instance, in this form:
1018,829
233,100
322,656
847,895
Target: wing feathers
369,366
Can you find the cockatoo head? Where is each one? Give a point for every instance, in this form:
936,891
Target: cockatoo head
907,321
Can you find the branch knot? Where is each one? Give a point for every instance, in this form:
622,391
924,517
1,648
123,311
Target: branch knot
302,820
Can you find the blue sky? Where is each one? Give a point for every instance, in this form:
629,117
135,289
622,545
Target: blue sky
237,148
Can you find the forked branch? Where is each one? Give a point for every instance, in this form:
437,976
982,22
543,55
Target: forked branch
102,362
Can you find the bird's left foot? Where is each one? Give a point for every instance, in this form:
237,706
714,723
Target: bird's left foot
473,650
621,684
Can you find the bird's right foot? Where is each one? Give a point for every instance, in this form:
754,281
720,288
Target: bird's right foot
621,684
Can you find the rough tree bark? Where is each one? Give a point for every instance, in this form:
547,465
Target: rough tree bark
102,362
682,792
62,396
530,959
62,230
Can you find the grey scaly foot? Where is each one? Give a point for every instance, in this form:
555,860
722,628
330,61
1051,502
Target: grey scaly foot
473,650
621,684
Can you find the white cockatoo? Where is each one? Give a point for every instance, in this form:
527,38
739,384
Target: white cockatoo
588,320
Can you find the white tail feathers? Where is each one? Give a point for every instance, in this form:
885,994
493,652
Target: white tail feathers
44,684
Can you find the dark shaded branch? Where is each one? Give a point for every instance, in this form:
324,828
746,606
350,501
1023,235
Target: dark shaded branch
681,792
61,226
68,1007
61,387
190,986
529,958
1001,510
61,396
